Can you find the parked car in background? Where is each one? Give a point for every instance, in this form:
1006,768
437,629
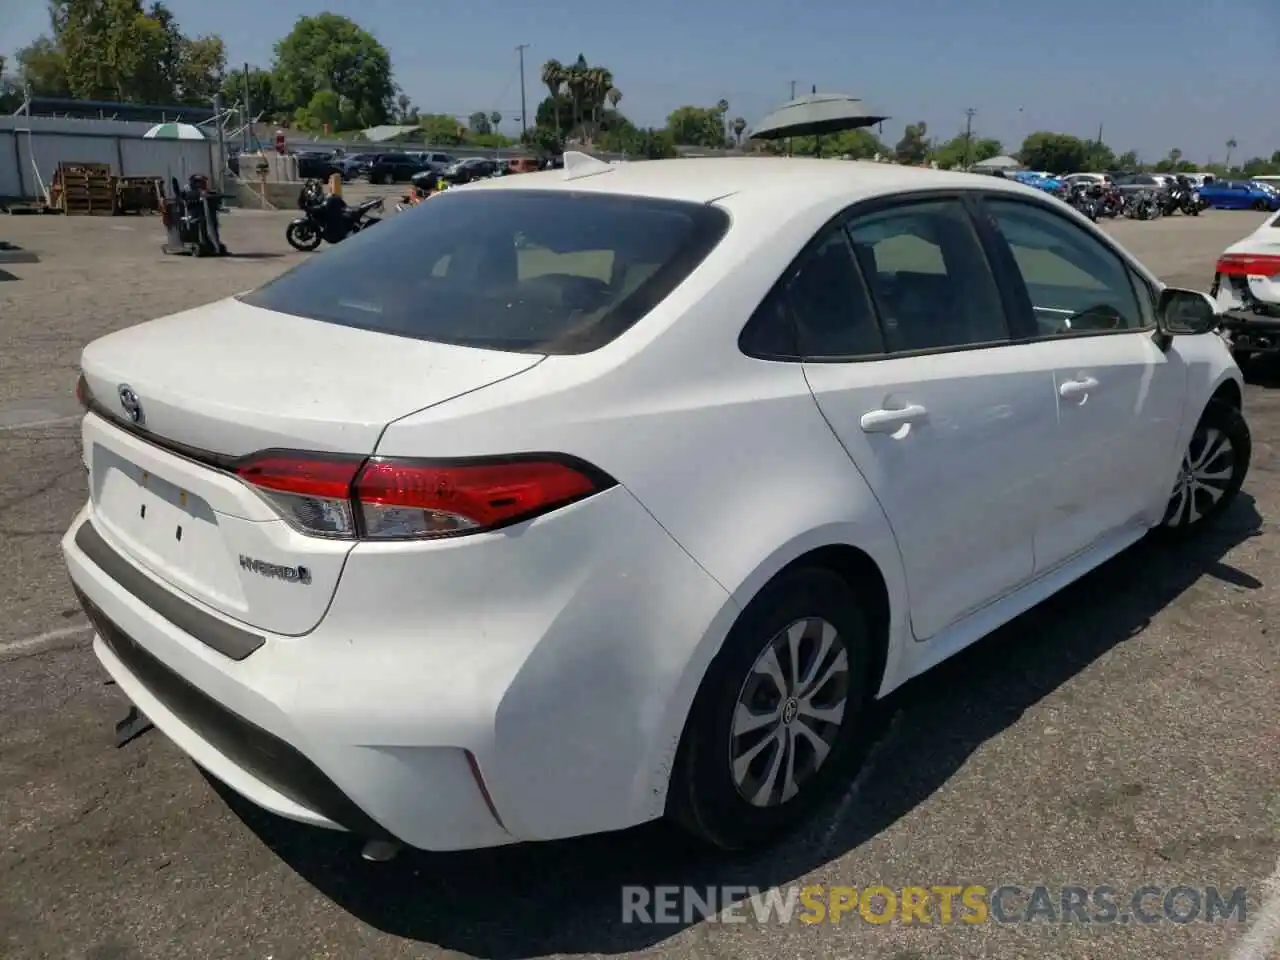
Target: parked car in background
474,604
472,168
351,164
392,167
1246,284
1239,195
316,164
1143,182
433,160
1090,179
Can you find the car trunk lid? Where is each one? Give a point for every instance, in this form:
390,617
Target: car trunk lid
179,400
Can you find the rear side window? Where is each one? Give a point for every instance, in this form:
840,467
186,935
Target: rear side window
929,277
528,271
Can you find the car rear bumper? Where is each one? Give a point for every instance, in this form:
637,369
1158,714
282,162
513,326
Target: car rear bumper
467,695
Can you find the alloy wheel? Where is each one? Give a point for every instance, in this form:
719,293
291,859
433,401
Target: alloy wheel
789,712
1203,479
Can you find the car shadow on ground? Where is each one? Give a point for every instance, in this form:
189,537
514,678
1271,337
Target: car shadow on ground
566,897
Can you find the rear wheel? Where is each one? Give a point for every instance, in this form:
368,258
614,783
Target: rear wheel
777,722
1260,205
1212,471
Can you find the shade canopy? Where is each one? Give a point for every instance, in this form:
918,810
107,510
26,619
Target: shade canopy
998,163
816,115
174,131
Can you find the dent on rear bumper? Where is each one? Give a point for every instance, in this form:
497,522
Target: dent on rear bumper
553,651
556,652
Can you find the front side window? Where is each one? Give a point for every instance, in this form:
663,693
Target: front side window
928,276
533,271
1076,284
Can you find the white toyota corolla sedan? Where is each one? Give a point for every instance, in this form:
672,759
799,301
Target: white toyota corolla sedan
573,500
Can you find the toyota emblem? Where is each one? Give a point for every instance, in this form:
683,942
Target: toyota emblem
131,404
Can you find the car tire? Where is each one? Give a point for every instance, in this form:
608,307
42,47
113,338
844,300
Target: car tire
1212,470
757,757
1260,205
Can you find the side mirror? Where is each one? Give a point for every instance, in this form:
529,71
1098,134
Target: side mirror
1186,312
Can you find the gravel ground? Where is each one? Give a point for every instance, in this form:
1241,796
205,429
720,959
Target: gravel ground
1124,733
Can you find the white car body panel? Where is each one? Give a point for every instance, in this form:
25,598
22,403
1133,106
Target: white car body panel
1264,288
562,654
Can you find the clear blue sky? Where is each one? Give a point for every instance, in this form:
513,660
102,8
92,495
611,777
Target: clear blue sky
1156,74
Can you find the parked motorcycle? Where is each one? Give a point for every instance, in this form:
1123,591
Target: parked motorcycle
1081,197
327,217
1143,205
1177,198
1110,200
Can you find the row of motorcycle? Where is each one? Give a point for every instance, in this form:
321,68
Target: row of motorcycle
1102,200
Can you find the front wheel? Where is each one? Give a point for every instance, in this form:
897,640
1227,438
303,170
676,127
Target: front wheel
779,718
1212,471
1260,205
302,235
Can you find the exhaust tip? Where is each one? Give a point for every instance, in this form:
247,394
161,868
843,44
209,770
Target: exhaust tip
380,851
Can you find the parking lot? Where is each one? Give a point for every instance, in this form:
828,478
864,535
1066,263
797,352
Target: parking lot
1126,733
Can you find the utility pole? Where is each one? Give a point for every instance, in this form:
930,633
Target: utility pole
247,132
524,116
968,134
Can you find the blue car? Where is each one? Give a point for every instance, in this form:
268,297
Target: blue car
1239,195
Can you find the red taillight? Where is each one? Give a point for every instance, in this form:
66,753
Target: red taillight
1249,265
303,477
406,499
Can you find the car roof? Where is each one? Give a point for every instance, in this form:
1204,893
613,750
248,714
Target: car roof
802,181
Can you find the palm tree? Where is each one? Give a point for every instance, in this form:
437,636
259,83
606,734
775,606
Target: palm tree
614,96
553,76
739,125
1231,145
495,118
578,82
601,84
722,107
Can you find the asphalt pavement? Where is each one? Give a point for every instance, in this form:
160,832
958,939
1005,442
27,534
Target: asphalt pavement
1126,733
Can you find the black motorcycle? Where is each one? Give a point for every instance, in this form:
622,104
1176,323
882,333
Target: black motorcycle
327,217
1081,197
1143,205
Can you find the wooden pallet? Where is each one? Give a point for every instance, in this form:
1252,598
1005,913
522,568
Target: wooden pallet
138,194
83,189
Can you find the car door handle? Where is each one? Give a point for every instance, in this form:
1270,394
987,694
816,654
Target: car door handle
890,421
1071,389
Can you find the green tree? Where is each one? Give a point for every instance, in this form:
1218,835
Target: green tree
441,129
479,123
859,144
1128,161
553,78
324,111
1231,145
697,126
261,89
330,52
913,148
117,50
42,68
952,153
1055,152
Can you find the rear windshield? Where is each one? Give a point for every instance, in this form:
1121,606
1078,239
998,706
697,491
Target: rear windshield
527,271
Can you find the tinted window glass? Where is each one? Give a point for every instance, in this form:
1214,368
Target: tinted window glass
1076,284
528,271
830,308
929,277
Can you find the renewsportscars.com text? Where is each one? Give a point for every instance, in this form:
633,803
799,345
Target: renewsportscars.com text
935,904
